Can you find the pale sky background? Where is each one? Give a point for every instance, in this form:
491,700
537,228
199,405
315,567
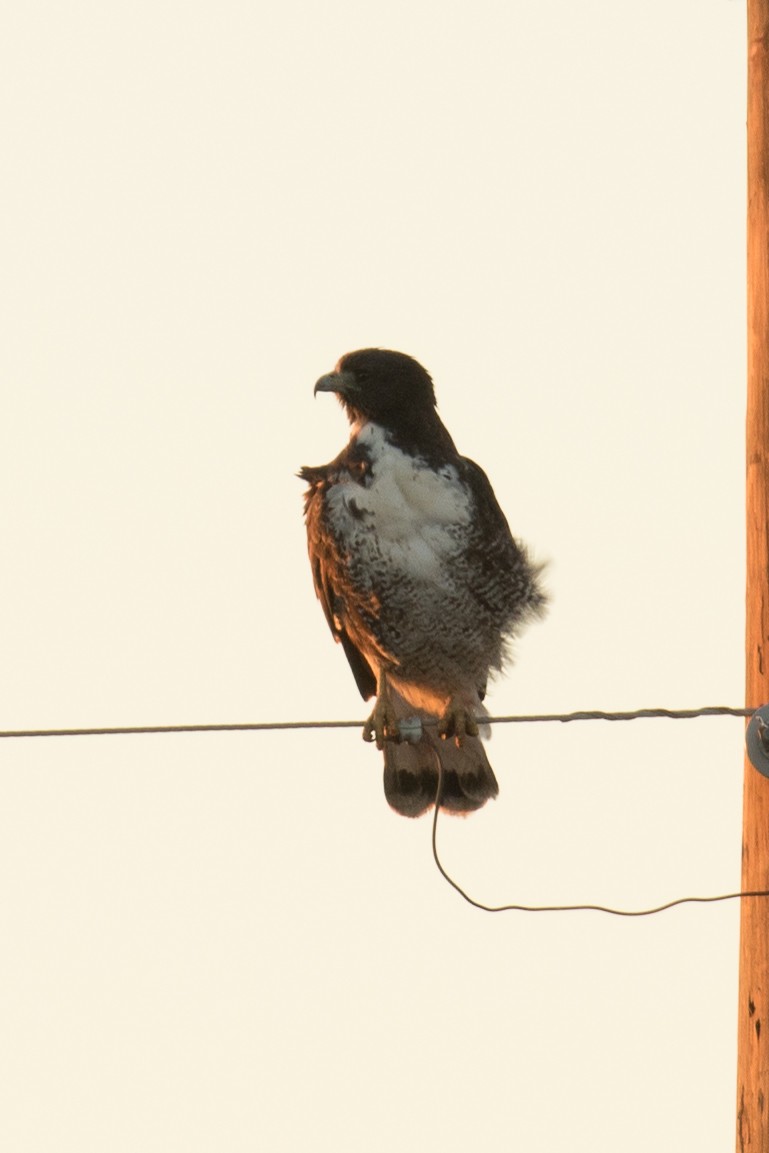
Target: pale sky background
229,942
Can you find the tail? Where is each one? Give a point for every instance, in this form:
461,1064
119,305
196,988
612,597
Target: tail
411,774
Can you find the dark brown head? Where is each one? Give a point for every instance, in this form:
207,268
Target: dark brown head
377,384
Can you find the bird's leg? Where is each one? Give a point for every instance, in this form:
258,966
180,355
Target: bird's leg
382,725
457,721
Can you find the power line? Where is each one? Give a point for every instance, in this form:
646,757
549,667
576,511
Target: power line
134,730
277,726
534,718
581,908
636,715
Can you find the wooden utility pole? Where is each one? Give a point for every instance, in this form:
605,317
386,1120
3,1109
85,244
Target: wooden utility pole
753,1015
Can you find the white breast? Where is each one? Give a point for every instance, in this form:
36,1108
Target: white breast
406,513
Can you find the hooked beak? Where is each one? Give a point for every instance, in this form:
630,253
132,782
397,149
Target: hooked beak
342,383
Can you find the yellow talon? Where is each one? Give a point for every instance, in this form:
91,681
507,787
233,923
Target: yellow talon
458,723
382,725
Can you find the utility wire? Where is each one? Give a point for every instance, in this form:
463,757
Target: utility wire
569,908
564,718
273,726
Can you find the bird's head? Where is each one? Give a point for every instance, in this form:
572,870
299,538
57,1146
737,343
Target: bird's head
389,388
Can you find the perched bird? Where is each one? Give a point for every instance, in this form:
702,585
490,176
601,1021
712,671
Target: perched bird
420,579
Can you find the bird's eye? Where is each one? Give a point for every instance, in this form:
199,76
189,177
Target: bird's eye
362,375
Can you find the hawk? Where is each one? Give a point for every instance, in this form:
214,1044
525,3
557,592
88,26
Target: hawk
420,580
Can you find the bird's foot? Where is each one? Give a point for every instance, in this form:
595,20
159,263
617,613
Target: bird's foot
382,725
457,722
